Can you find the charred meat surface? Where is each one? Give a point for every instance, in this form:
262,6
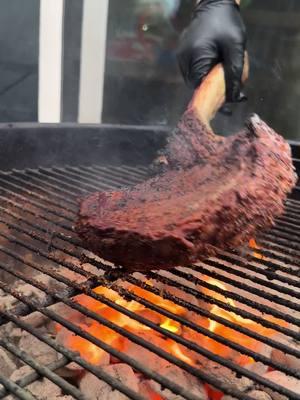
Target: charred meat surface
216,193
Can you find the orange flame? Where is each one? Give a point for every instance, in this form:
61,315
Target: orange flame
231,334
88,350
212,393
178,352
170,325
155,396
94,354
254,245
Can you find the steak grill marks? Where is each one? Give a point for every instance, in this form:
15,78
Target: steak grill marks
37,212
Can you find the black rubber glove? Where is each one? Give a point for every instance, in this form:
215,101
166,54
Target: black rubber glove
216,34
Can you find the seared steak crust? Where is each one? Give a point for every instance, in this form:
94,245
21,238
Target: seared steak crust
216,193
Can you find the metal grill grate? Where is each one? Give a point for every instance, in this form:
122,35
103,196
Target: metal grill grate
37,211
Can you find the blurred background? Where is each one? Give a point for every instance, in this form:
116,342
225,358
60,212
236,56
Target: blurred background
113,61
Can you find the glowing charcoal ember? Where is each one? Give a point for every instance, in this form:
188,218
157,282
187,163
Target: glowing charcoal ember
86,349
96,355
170,326
178,351
139,353
231,334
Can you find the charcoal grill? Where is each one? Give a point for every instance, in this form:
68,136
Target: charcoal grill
38,208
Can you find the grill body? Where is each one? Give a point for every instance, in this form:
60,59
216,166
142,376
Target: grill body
41,145
39,190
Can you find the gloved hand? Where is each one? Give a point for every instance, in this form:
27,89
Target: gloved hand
216,34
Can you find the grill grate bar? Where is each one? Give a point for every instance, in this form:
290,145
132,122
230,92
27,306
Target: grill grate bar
64,174
119,177
141,172
284,331
282,254
34,376
228,257
207,314
229,294
270,272
42,370
285,225
16,389
122,171
72,356
279,288
86,288
284,234
114,174
21,182
92,279
146,344
244,314
94,186
33,213
86,177
72,179
60,174
271,244
74,190
293,202
290,211
238,311
36,177
263,294
282,240
61,178
92,179
122,356
148,304
33,202
58,179
288,220
52,316
274,258
263,308
278,277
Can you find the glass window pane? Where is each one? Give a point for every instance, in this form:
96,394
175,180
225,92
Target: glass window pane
143,85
